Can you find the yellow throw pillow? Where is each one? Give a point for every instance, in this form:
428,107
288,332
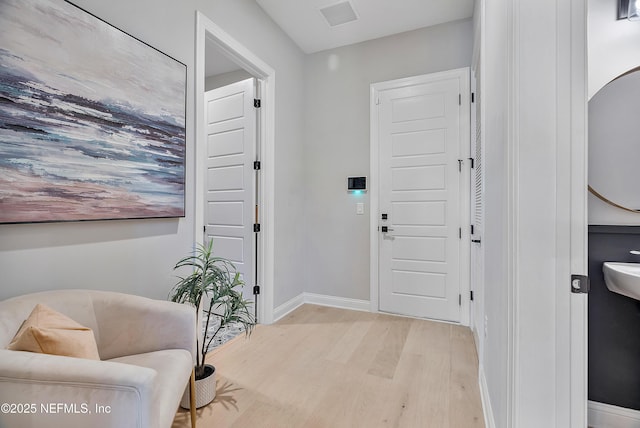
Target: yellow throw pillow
49,332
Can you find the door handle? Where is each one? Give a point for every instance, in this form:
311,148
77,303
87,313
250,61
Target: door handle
475,241
385,229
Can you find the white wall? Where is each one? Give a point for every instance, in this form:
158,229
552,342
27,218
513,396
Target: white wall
614,48
137,256
337,143
494,93
533,84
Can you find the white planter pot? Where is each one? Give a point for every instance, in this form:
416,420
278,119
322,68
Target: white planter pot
205,390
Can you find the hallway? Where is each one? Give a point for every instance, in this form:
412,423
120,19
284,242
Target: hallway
326,367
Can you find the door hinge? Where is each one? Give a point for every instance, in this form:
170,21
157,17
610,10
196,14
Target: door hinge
459,299
473,163
460,161
472,229
256,103
471,295
459,99
256,227
204,229
378,101
460,232
256,289
256,165
580,284
473,98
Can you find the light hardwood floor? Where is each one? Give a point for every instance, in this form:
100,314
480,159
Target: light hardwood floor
322,367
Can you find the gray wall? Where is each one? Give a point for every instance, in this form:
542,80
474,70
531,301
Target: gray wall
224,79
137,256
614,319
337,143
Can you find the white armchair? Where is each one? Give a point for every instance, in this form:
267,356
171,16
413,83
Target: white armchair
146,349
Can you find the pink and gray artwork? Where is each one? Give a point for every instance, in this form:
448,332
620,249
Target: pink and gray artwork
92,120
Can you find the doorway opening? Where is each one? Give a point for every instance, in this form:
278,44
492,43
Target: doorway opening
227,59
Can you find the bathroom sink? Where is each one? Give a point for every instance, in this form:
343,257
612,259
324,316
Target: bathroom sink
623,278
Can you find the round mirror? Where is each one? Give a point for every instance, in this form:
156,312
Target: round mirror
614,142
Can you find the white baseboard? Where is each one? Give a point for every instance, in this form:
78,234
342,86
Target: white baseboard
602,415
337,302
322,300
288,306
489,420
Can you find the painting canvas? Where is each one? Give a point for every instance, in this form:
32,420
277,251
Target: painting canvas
92,120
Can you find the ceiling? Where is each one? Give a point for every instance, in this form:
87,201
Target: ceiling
306,25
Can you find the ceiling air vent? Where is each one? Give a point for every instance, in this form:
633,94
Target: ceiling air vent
339,13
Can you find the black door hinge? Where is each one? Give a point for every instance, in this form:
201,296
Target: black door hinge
460,233
256,165
473,98
471,295
472,229
256,103
459,99
580,284
256,289
256,227
459,299
473,163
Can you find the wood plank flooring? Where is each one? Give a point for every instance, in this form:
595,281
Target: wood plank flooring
323,367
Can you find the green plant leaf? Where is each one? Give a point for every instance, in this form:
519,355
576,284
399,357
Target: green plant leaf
216,280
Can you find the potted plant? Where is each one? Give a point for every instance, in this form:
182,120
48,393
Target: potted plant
213,281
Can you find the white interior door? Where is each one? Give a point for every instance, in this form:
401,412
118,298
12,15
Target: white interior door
230,177
423,148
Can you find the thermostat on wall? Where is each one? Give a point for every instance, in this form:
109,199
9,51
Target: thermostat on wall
357,184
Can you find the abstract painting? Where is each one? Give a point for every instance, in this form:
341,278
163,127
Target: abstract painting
92,120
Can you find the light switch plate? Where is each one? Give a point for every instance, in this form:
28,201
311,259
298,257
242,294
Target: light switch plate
360,208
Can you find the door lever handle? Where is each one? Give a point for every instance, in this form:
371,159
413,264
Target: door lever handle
385,229
476,241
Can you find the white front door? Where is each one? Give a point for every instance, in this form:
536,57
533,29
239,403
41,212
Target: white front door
423,145
230,177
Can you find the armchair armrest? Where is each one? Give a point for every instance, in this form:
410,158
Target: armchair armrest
134,325
56,391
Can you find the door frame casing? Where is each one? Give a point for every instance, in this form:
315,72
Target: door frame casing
464,252
208,31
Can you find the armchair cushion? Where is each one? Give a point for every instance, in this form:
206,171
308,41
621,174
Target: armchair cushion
49,332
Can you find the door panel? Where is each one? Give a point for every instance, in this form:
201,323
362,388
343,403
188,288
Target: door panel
226,213
420,283
230,179
419,147
226,143
426,213
418,143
